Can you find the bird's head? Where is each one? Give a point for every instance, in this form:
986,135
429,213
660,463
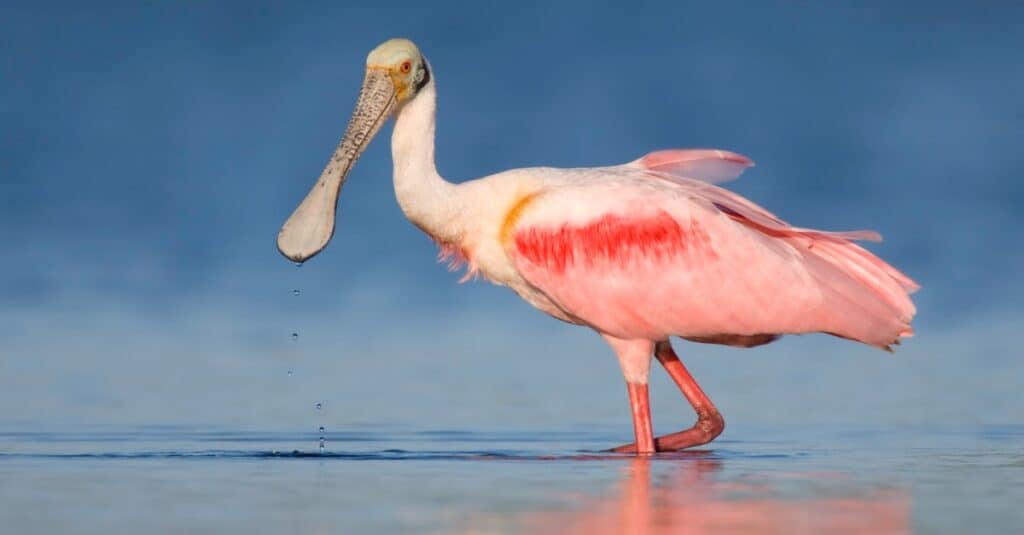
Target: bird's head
402,63
395,73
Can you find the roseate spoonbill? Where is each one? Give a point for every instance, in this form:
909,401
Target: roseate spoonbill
638,252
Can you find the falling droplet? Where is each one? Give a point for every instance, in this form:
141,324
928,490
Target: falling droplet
289,373
296,291
295,337
319,405
321,429
321,444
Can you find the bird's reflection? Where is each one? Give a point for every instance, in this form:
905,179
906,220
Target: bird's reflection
684,495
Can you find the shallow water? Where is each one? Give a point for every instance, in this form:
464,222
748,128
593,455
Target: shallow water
764,480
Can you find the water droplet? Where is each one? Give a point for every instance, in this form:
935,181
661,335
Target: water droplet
295,337
321,429
321,444
298,264
319,405
296,291
289,373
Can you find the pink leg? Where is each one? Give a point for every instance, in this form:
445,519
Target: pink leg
635,359
709,422
639,404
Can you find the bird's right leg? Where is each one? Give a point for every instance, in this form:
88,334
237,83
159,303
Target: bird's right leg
709,421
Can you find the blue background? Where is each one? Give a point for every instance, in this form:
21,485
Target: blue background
150,153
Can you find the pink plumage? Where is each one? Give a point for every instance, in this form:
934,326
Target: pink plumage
615,240
639,252
660,254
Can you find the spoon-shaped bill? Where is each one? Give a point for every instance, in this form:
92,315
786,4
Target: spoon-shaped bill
311,225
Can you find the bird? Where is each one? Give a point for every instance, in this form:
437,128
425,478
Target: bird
638,252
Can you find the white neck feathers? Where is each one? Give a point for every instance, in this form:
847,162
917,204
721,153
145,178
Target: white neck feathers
427,199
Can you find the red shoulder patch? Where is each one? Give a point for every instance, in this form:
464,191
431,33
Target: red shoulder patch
616,240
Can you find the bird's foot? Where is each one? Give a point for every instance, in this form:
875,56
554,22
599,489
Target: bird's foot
708,427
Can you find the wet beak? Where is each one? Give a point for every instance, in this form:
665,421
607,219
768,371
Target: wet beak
311,225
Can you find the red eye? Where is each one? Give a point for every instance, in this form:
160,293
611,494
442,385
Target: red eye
405,67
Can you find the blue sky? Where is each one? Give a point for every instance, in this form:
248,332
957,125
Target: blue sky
150,153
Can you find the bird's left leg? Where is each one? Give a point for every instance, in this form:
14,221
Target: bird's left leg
635,360
709,421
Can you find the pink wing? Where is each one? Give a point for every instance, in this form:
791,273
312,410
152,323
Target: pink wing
697,169
708,165
642,258
672,165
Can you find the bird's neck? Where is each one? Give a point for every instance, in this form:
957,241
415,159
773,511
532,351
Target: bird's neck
427,199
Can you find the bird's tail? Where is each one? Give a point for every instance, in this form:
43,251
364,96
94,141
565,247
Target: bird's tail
871,299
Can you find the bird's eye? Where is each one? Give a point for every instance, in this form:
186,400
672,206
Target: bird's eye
405,67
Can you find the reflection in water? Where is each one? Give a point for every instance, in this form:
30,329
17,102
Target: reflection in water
684,496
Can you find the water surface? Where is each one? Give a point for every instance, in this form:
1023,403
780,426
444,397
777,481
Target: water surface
765,480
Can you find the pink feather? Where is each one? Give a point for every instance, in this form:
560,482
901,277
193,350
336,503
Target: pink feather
627,271
457,259
708,165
